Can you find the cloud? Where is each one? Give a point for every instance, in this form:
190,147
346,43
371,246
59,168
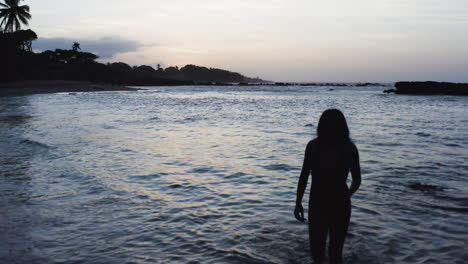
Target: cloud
105,48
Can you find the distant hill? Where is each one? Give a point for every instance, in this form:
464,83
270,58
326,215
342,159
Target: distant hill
146,75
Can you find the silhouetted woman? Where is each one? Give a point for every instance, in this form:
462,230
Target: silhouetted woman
329,157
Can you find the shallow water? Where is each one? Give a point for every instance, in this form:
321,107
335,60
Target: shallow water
208,175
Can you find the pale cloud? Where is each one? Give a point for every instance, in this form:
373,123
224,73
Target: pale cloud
105,48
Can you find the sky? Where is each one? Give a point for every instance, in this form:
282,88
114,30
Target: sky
279,40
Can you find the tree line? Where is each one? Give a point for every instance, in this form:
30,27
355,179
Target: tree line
19,62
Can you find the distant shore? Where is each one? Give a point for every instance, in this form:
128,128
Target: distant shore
20,88
29,87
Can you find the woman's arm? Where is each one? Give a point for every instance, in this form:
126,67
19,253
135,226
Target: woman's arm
301,186
355,171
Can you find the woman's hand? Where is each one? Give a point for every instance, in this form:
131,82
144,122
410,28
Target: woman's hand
299,212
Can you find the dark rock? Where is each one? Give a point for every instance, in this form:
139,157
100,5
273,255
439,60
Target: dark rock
368,84
429,88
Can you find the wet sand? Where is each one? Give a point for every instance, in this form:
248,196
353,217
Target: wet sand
40,87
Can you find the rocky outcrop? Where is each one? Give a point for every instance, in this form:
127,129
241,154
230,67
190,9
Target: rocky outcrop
428,88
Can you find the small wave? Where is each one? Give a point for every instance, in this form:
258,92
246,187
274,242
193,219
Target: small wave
35,144
369,211
108,127
285,140
177,163
147,177
388,144
259,182
396,169
127,150
236,256
193,119
422,134
309,125
278,167
440,164
451,145
106,200
272,131
425,187
207,216
142,197
235,175
203,170
448,208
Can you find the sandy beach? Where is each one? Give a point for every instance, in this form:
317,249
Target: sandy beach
56,86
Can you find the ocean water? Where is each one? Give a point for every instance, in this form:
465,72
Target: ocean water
200,174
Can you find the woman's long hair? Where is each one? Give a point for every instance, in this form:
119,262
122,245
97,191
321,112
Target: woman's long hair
332,128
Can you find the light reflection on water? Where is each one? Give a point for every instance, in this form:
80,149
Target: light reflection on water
208,175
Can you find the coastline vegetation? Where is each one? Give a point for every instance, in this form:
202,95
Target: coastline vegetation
22,63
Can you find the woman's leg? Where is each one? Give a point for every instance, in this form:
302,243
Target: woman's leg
338,230
318,230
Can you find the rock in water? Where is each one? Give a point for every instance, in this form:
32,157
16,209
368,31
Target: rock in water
431,88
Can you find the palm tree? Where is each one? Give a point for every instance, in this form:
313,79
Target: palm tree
76,46
12,15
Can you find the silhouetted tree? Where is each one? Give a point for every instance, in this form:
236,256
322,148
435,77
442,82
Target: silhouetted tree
20,40
144,71
13,14
119,73
76,46
203,74
15,53
26,38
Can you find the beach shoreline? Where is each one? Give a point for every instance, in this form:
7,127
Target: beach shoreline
30,87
